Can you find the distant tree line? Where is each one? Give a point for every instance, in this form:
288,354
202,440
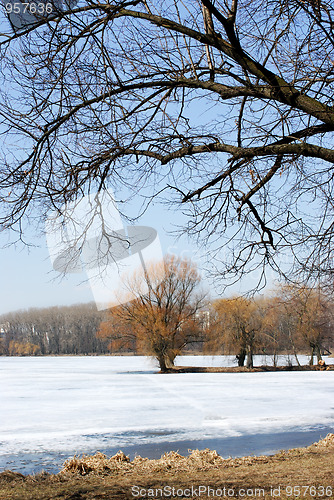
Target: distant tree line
171,317
52,330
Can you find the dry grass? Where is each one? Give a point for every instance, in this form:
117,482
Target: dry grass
100,477
244,369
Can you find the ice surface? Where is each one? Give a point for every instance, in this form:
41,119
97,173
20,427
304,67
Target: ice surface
82,404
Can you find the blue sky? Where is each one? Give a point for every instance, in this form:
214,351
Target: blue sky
28,279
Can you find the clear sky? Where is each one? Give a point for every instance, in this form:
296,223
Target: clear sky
29,280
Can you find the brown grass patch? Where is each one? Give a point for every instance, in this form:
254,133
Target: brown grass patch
100,477
244,369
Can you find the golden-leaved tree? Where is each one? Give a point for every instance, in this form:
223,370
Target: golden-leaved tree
237,325
165,316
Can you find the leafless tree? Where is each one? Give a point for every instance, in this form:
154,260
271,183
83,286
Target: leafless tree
225,106
306,315
53,330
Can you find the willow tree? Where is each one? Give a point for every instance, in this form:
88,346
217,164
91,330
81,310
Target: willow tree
225,106
164,317
237,326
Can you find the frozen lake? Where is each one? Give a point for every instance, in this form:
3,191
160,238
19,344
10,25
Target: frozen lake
55,407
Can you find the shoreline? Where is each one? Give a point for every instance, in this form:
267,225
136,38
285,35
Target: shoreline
97,477
244,369
267,444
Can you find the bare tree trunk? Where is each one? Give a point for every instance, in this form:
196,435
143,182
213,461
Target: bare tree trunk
165,362
249,363
275,358
293,348
311,362
296,358
162,364
241,357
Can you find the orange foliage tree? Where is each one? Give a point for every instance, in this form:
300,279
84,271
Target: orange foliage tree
22,349
164,317
236,325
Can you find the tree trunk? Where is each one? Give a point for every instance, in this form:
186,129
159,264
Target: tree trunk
165,362
311,362
296,358
275,358
249,363
318,352
294,348
241,357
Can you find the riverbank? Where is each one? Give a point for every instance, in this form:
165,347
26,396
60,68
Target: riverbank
282,475
244,369
264,443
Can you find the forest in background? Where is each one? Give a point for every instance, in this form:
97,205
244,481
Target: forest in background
288,322
52,330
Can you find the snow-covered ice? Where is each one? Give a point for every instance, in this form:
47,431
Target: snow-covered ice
82,404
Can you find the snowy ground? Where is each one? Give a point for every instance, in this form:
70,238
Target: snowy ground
54,407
